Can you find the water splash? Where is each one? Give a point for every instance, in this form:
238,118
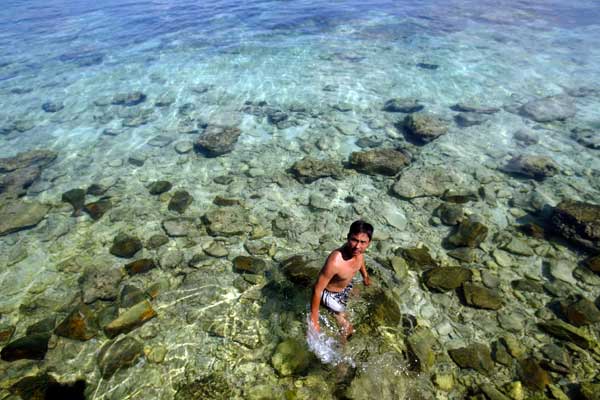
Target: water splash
327,348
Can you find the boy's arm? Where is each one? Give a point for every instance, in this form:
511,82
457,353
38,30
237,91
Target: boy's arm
365,275
327,272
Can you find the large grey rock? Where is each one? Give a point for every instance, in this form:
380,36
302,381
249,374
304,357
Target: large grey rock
100,282
17,215
227,221
117,354
380,161
425,127
532,166
430,181
578,222
551,108
443,279
476,356
309,170
217,140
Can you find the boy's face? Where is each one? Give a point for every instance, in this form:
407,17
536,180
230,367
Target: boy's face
358,243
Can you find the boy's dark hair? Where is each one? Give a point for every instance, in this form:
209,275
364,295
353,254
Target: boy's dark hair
361,226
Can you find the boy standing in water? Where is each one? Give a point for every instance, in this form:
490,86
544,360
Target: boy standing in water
334,282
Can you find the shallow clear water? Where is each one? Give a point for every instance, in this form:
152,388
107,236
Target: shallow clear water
329,67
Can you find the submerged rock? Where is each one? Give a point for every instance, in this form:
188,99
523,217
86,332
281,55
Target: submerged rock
380,161
291,357
470,233
581,312
217,140
536,167
309,170
481,297
425,127
403,105
76,198
586,137
132,318
140,266
125,246
130,296
98,208
473,108
443,279
568,332
52,106
467,119
100,282
252,265
578,222
45,386
420,182
180,201
175,227
159,187
129,99
420,345
80,324
551,108
18,215
227,221
476,356
117,354
532,375
418,257
593,263
213,386
30,347
301,270
33,158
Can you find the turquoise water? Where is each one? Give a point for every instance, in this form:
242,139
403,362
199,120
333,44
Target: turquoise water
119,93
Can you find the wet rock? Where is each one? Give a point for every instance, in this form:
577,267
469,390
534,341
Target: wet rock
180,201
526,137
578,222
527,285
6,332
467,254
227,221
19,215
309,170
568,332
226,202
76,198
178,227
343,107
500,354
276,116
80,324
252,265
474,108
140,266
589,391
291,357
443,279
165,100
129,99
137,160
584,275
132,318
184,147
420,345
476,356
586,137
31,347
380,161
157,241
518,247
492,392
557,358
531,166
551,108
98,189
100,282
156,355
450,214
160,141
44,386
470,233
217,249
159,187
562,270
460,196
593,263
52,106
130,296
384,309
581,312
481,297
301,270
171,258
217,140
418,257
467,119
33,158
420,182
125,246
532,375
213,386
425,127
403,105
98,208
118,354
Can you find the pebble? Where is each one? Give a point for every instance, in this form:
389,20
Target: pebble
184,147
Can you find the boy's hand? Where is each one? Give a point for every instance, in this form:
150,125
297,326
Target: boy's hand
367,281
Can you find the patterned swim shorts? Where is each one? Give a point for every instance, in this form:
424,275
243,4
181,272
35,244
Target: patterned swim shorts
336,301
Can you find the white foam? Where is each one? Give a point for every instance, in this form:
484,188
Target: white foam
328,349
